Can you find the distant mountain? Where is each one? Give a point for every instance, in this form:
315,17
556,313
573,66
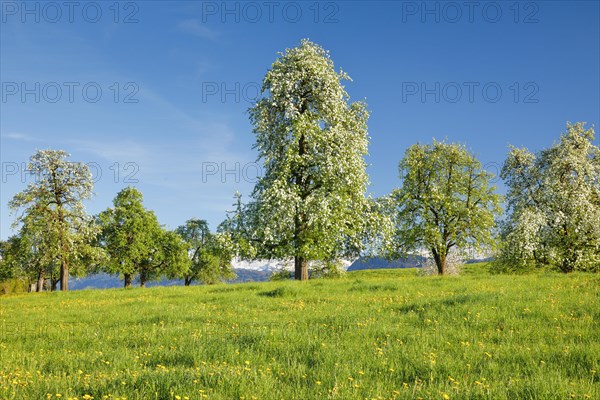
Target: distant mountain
263,265
250,275
380,263
95,281
106,281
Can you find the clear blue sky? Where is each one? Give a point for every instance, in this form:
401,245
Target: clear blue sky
175,58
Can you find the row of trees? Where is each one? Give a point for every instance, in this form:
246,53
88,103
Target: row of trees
311,203
56,238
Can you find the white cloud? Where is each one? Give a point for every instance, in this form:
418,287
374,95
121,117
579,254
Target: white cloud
17,136
122,150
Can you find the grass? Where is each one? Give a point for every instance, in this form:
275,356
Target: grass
381,334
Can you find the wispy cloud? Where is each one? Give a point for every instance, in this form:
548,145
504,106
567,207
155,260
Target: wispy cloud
17,136
196,28
123,150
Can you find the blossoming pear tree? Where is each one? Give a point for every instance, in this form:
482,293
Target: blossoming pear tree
53,209
310,203
553,205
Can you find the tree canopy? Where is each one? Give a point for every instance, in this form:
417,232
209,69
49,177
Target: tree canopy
209,257
310,203
553,213
136,243
445,203
54,216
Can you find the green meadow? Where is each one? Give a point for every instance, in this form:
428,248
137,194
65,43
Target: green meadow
379,334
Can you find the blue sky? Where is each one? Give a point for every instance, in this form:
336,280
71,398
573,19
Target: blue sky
177,77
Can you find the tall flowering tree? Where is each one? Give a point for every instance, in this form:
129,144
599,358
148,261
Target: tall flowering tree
310,203
553,205
52,208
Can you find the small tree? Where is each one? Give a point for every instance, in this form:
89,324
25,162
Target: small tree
327,269
446,202
310,203
553,205
54,202
10,267
210,260
25,253
166,257
136,243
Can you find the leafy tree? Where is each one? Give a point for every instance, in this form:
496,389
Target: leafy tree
210,260
310,203
553,205
126,234
53,205
8,269
24,255
445,202
136,243
13,277
166,257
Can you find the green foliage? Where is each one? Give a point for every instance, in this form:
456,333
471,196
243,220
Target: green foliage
384,334
22,257
209,254
235,229
553,206
14,285
281,274
445,203
330,269
54,221
8,269
137,244
310,203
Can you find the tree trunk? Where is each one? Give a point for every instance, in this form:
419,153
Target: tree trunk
64,263
40,282
300,263
440,261
64,276
54,284
300,269
142,279
188,281
127,281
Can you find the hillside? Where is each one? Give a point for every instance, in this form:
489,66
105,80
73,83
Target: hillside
385,334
